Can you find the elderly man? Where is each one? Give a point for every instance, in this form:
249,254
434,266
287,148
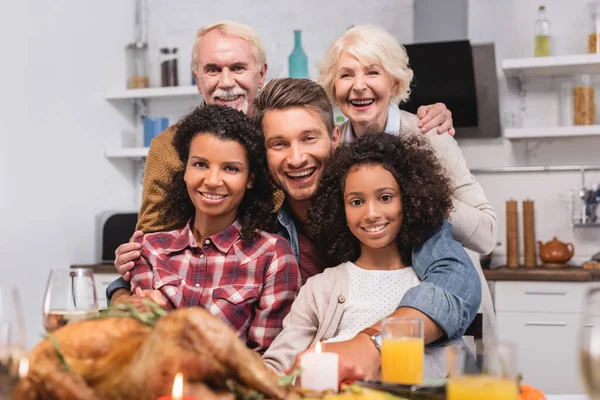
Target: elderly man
229,65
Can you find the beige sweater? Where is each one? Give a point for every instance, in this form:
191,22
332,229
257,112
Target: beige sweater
315,316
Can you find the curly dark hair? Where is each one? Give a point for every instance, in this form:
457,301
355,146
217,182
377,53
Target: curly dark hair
425,192
227,124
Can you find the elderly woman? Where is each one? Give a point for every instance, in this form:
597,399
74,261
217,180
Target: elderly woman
365,72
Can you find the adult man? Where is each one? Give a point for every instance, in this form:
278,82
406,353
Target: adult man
297,121
229,66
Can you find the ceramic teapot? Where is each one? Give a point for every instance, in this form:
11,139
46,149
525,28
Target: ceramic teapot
555,251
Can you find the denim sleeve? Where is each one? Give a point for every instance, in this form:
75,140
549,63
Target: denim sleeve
114,286
450,289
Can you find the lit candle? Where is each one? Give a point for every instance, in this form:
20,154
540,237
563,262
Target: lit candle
177,393
319,370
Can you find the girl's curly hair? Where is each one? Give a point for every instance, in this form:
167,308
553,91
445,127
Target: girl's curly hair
224,123
425,192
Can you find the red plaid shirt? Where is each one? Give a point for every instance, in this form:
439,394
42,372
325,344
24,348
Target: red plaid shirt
251,287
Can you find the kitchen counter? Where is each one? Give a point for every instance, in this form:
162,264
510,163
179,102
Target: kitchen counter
98,268
569,274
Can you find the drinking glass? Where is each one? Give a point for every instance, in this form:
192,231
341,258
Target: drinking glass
491,374
589,343
12,341
70,297
402,351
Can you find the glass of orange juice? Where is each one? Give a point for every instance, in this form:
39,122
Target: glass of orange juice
402,350
491,374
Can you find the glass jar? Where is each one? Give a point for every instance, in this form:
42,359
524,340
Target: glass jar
594,36
565,104
168,67
584,109
137,66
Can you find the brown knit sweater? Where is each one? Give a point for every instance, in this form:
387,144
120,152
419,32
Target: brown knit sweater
161,164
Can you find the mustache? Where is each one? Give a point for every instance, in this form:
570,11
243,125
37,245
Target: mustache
229,94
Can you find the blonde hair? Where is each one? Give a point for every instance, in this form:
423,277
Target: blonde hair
370,45
235,29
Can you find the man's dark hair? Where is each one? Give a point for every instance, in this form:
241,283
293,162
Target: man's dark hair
425,192
283,93
224,123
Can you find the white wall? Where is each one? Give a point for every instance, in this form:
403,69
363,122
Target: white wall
321,22
440,21
510,24
59,58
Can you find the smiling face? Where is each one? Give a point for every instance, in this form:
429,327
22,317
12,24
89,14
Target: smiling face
227,72
362,92
373,205
298,145
217,175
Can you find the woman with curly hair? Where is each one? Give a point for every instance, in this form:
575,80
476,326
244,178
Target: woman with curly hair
222,258
380,199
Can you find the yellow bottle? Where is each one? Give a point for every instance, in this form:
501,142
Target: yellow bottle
542,34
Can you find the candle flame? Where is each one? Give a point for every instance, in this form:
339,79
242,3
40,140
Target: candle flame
318,348
177,393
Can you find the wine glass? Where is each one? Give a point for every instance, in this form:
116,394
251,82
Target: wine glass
490,374
70,297
12,341
589,343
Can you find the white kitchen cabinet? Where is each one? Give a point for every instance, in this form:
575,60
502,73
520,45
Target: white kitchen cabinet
543,320
546,348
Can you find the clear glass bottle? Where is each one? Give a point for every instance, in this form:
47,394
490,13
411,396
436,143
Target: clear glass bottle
593,42
297,61
565,103
137,66
542,34
137,52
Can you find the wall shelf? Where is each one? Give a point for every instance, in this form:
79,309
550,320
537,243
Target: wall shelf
153,93
548,66
131,152
588,225
551,132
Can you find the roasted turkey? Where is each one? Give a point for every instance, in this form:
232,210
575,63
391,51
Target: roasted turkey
122,358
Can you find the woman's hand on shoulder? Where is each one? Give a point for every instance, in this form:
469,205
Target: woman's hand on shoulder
435,116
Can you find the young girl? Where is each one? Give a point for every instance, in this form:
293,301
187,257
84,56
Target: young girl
380,199
222,259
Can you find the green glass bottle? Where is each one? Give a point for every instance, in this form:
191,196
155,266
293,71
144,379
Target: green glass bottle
297,61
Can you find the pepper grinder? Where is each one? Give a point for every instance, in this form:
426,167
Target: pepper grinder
512,234
529,234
